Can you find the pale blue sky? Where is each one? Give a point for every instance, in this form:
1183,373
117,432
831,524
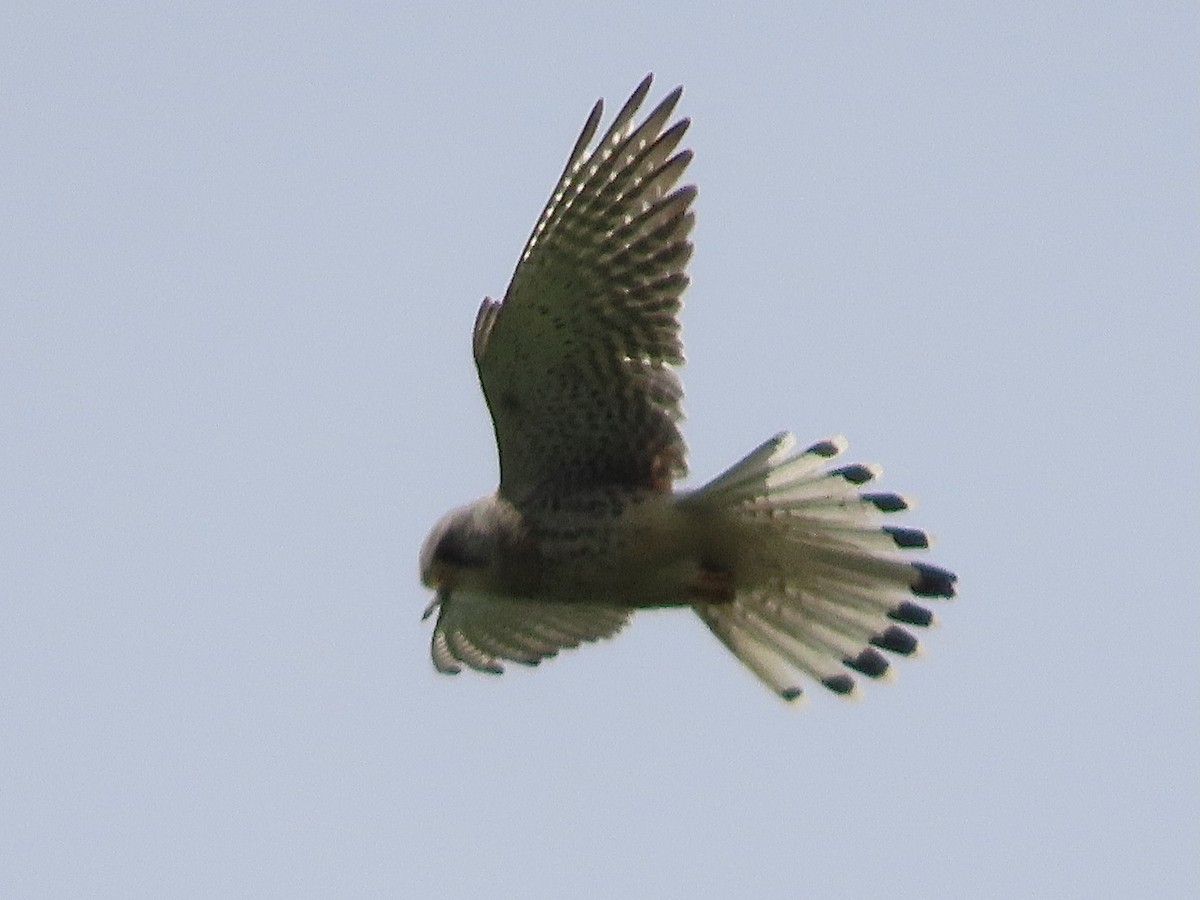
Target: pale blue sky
240,253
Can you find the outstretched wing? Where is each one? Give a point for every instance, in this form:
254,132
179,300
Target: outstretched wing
481,631
575,362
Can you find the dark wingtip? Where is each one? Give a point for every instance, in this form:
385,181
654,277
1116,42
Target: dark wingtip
870,662
911,614
791,694
908,538
897,640
932,581
839,684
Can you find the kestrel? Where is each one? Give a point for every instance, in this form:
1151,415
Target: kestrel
782,556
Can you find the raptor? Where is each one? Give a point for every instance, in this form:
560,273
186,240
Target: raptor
783,556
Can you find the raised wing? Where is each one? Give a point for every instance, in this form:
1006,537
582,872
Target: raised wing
575,362
481,631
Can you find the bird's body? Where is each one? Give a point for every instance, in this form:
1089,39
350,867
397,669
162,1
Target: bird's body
781,556
649,547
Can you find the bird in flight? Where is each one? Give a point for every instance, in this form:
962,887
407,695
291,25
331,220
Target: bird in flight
782,556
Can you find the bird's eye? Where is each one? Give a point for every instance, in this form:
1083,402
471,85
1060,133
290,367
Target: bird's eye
460,551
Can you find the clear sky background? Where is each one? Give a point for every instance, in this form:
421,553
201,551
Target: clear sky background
241,249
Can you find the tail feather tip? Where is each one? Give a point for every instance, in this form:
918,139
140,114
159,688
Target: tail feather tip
857,473
911,614
839,684
888,503
828,448
932,581
908,538
897,640
870,662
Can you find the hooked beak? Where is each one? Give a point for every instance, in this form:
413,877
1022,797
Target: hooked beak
437,601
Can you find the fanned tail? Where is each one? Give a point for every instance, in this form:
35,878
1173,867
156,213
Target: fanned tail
820,587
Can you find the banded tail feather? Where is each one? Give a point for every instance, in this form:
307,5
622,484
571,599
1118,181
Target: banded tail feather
821,583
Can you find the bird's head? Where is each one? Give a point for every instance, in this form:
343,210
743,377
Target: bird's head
466,548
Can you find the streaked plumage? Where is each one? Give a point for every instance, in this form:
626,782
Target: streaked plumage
782,556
